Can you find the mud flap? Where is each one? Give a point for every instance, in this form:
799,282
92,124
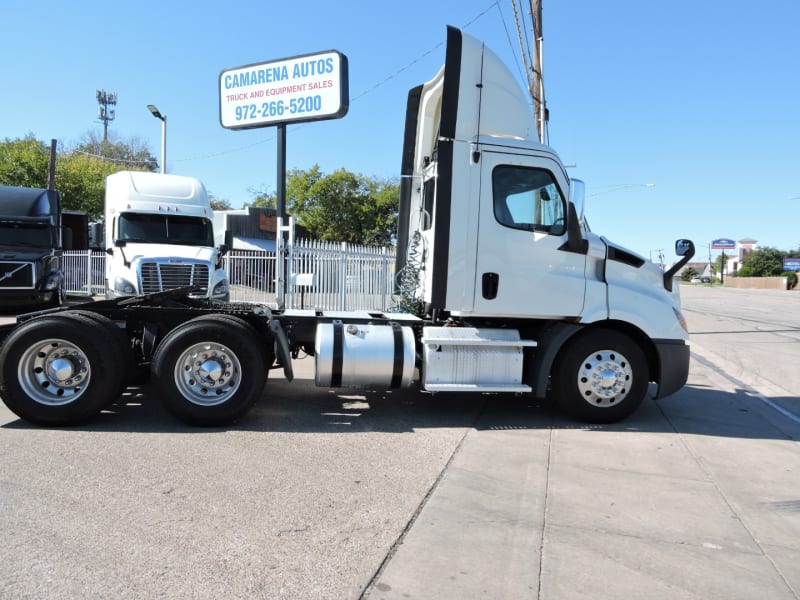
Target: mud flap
282,348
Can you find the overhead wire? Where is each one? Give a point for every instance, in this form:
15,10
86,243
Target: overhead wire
354,98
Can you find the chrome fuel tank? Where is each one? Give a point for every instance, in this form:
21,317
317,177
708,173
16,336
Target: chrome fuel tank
351,355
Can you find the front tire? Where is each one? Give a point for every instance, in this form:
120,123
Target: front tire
600,377
210,370
55,370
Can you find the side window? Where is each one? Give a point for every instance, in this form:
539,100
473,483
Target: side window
529,199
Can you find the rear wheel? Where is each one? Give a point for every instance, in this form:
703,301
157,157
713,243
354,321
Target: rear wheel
118,344
57,370
601,377
210,370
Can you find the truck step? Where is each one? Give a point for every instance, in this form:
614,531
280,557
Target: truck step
469,359
476,387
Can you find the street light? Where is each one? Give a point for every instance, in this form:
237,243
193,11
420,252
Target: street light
163,119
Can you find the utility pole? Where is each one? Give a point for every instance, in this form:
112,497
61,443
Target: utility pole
532,61
539,105
106,114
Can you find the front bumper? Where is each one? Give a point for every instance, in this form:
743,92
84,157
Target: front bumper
17,298
673,361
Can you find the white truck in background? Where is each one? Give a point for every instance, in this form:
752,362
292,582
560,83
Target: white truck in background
159,236
503,288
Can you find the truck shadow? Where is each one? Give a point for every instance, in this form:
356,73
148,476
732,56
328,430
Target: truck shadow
300,407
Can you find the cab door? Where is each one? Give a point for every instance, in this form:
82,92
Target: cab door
524,268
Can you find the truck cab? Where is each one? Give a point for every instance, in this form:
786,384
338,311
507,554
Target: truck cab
159,236
491,231
30,247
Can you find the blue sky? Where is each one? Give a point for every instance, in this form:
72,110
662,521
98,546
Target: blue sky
699,97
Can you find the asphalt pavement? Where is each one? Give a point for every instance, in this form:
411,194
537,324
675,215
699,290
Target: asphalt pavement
362,494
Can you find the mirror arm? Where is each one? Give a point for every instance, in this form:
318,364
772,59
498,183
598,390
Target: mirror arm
670,274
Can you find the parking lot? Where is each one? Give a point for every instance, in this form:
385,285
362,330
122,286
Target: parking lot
351,494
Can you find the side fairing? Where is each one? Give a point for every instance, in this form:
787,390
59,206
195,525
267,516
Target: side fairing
473,97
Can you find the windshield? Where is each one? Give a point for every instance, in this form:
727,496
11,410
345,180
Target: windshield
165,229
33,235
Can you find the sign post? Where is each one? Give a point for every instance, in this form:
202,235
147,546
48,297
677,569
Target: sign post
309,87
723,244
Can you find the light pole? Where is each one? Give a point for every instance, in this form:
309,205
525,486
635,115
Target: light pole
163,119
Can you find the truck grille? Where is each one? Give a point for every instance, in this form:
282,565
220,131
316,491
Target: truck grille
157,277
16,275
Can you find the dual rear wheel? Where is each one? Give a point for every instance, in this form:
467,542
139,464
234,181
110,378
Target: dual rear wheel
64,368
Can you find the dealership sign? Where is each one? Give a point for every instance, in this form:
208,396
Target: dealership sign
311,87
791,264
723,244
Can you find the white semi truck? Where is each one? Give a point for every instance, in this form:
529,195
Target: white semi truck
505,289
159,236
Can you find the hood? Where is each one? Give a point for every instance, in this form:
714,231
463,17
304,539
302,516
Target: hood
23,254
134,251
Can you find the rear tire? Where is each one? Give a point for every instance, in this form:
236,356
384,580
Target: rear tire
55,370
600,377
118,343
210,370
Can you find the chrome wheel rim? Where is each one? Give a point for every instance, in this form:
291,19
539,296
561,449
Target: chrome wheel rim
208,374
605,378
54,372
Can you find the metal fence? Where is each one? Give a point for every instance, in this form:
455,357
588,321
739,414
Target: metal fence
324,275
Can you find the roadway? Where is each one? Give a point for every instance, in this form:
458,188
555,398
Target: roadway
351,494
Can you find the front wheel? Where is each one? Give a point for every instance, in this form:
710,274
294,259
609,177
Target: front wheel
210,370
600,377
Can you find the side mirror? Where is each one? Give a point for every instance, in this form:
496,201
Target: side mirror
223,249
120,243
575,239
684,248
110,251
577,195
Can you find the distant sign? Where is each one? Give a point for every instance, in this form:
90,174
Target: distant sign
791,264
310,87
723,244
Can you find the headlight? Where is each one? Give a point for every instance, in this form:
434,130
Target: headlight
220,289
53,281
123,286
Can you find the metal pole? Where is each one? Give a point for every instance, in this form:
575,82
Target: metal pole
164,144
280,192
281,175
51,178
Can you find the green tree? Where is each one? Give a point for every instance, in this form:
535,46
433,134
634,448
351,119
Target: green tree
218,203
24,162
343,206
688,273
262,198
81,179
80,172
129,155
764,262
